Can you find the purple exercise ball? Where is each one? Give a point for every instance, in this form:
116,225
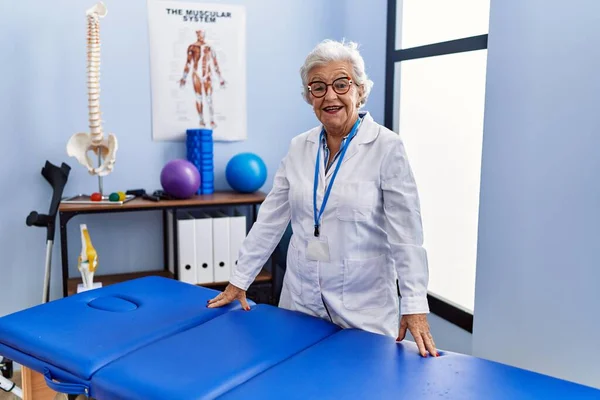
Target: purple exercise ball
180,178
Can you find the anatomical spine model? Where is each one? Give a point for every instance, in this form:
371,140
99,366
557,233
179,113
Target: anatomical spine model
81,143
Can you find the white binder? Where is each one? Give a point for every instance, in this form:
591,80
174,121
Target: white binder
237,234
221,252
186,237
203,227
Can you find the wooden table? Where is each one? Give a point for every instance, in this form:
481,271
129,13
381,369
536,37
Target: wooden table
67,211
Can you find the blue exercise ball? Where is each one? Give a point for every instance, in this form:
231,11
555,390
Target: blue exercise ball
246,172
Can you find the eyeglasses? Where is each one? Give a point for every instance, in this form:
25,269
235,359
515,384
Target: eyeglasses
341,86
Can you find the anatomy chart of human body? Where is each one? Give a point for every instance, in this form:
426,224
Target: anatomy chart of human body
198,69
202,60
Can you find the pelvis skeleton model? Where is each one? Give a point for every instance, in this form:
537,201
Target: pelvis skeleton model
81,143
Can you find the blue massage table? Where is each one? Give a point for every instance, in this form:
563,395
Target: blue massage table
154,338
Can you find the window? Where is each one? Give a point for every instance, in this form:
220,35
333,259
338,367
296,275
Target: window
435,95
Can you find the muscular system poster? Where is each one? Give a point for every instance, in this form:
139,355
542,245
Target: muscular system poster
197,69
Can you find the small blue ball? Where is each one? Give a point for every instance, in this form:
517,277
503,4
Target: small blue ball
246,172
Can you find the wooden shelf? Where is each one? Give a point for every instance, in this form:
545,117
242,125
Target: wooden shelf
263,276
216,199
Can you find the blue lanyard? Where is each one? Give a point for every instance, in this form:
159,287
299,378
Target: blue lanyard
317,217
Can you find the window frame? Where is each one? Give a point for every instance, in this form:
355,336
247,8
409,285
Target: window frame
439,306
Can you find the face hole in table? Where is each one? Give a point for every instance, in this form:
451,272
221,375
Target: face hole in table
112,304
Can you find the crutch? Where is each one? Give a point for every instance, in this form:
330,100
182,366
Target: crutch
57,178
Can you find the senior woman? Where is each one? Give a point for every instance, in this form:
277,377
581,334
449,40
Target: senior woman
348,189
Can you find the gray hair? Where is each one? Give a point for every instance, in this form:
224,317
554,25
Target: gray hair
329,51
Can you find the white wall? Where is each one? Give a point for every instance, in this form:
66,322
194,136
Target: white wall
134,242
537,295
365,22
43,102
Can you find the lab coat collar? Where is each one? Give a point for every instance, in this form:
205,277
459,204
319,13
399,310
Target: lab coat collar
367,132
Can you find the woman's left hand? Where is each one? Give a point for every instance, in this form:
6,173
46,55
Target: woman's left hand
419,328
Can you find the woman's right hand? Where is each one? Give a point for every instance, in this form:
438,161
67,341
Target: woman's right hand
230,294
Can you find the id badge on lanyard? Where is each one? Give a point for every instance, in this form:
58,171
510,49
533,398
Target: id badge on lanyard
318,248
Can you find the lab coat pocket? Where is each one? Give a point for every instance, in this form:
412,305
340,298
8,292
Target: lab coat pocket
292,273
365,283
300,203
355,200
295,200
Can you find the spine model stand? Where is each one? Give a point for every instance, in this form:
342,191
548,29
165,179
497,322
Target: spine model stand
81,143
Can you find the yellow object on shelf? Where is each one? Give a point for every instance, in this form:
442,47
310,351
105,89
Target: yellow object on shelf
88,258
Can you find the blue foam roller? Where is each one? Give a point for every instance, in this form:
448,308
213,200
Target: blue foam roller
200,151
198,131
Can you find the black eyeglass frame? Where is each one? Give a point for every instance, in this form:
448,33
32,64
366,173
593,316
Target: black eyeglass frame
350,82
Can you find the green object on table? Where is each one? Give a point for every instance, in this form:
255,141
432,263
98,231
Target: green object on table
114,197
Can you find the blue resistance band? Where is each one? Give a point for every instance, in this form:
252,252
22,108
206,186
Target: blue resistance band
337,167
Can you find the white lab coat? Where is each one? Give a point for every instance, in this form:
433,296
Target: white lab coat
372,224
